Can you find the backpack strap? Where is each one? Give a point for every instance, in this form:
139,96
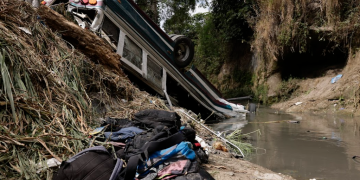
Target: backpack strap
95,148
150,148
117,169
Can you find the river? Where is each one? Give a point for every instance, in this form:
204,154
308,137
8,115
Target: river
318,146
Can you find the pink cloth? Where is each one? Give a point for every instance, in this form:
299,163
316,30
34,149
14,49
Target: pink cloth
175,168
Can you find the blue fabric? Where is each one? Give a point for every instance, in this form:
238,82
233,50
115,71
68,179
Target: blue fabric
183,149
229,107
123,133
336,78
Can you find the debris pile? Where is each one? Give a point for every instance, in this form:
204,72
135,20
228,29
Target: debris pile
153,145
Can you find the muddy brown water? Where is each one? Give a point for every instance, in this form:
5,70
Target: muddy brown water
319,146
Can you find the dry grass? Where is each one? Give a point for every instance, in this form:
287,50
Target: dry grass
51,94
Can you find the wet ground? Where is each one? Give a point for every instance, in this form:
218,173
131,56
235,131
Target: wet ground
318,146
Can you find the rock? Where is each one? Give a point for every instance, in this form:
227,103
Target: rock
220,146
228,155
272,83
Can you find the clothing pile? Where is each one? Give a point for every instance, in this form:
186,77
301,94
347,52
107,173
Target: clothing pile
154,145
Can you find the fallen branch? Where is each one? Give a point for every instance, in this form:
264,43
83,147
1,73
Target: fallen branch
55,156
85,41
11,140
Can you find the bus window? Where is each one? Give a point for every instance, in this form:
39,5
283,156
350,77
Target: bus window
132,52
154,72
111,30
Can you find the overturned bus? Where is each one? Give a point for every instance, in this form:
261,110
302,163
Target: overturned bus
153,57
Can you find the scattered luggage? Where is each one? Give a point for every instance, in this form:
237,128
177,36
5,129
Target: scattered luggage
156,147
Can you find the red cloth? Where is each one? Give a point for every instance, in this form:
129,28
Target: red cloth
84,1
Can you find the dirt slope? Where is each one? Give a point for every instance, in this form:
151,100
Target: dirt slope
320,95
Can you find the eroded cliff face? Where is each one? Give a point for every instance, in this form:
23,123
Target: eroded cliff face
299,46
235,75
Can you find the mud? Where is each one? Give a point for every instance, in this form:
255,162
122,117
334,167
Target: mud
225,167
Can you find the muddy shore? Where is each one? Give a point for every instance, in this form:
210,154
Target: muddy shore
225,166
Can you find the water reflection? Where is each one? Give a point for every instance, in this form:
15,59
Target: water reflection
231,124
318,147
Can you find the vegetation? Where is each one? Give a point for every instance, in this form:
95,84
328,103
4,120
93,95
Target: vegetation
224,30
208,47
231,19
236,137
174,13
150,7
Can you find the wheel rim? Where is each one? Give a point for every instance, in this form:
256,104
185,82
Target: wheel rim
183,52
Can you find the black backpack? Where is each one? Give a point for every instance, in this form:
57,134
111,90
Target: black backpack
94,163
153,118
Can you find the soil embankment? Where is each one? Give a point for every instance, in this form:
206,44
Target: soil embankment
319,95
299,46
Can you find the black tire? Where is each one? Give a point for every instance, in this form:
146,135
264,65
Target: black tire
183,50
252,107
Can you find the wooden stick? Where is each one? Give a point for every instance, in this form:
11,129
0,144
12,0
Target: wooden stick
55,156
